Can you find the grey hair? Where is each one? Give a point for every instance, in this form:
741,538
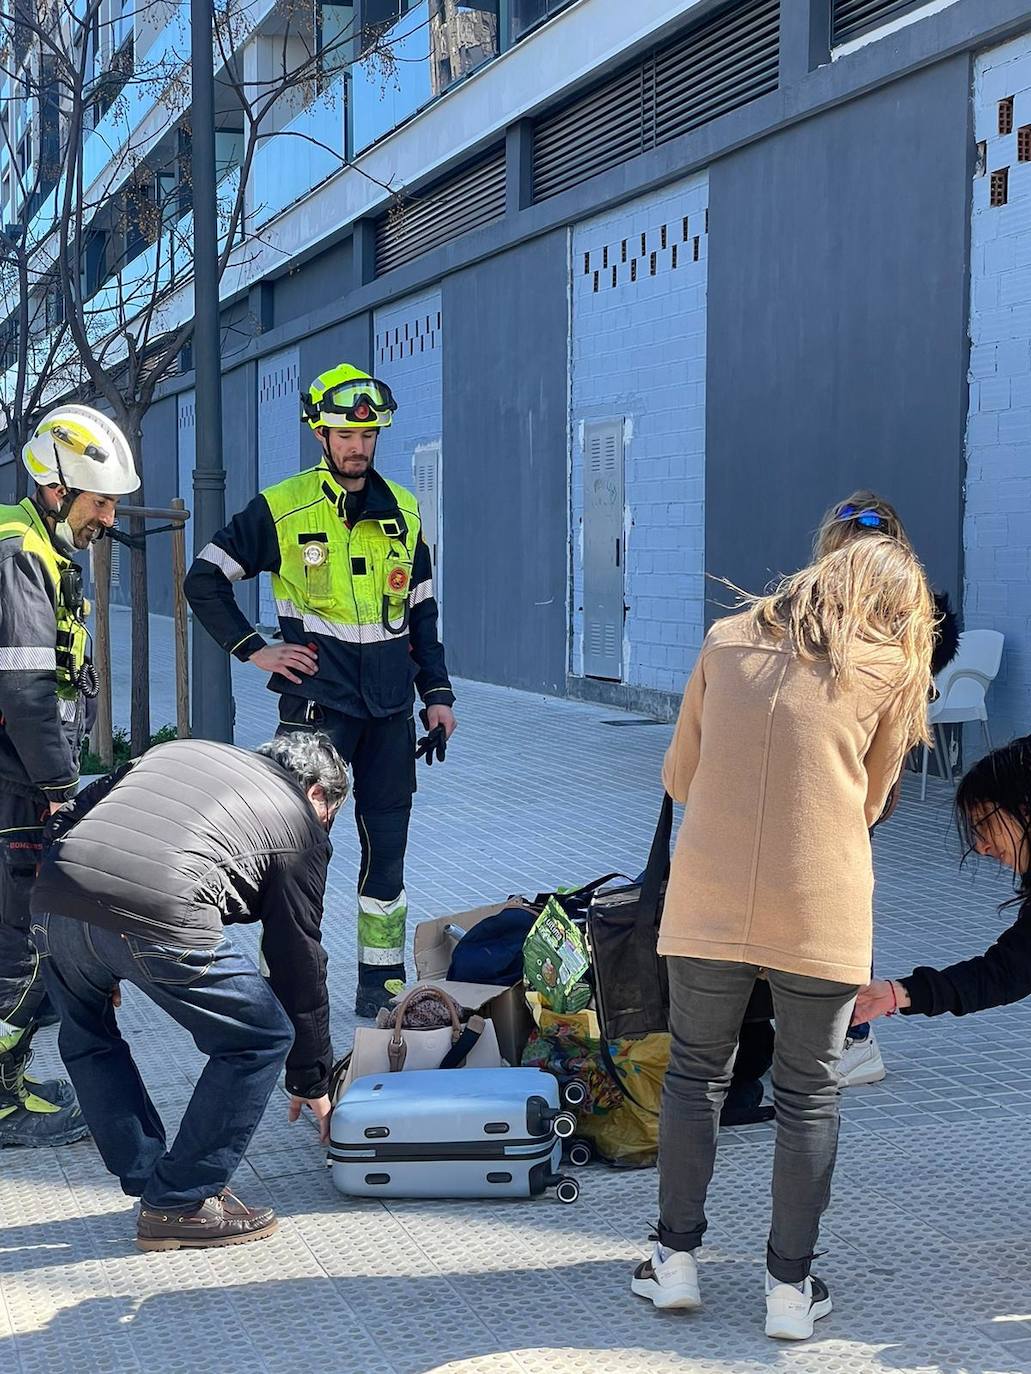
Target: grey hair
313,761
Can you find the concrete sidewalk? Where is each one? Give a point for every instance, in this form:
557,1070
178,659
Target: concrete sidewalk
926,1240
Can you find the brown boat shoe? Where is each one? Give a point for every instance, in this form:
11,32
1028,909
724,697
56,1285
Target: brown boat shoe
219,1220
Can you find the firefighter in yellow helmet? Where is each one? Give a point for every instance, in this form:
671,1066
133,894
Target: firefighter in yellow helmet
80,464
352,579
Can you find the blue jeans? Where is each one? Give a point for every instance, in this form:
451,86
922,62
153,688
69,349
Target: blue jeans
220,998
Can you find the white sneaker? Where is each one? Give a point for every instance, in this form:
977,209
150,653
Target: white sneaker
669,1282
861,1063
791,1313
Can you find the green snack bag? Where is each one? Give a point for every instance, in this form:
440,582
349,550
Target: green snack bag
555,959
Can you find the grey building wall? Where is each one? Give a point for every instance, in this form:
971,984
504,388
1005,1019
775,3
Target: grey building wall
837,348
505,488
326,277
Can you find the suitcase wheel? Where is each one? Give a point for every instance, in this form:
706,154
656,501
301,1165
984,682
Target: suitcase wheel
568,1190
574,1093
564,1125
580,1153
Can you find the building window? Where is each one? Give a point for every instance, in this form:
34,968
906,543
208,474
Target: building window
378,16
334,40
463,35
527,14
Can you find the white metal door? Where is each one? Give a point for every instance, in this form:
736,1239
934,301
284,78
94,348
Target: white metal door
603,549
426,481
186,444
279,440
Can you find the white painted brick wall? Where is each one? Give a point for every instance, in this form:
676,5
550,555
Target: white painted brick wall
638,351
408,355
997,523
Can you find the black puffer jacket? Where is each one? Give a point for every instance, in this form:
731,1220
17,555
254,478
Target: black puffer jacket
192,836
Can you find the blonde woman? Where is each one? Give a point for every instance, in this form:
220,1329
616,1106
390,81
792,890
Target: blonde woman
792,732
864,514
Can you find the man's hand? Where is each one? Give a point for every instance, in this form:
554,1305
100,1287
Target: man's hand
287,660
321,1110
55,807
441,715
879,998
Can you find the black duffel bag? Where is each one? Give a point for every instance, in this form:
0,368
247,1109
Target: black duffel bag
631,985
631,989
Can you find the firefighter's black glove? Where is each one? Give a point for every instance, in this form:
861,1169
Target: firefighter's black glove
435,742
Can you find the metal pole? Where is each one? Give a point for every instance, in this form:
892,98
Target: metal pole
212,700
182,654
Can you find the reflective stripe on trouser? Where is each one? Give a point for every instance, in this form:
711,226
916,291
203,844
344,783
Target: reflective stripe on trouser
381,930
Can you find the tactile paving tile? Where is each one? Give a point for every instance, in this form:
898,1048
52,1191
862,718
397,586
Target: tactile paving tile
925,1238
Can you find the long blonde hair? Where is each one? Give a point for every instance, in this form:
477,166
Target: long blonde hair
837,530
869,591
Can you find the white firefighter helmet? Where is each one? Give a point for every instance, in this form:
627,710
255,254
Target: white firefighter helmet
78,448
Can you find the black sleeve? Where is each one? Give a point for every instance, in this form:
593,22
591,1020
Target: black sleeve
994,979
945,642
28,677
246,547
432,681
290,911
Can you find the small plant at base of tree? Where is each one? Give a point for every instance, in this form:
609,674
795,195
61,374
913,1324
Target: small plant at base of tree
92,763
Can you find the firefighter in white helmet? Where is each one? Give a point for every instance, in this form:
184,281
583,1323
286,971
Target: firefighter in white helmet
79,464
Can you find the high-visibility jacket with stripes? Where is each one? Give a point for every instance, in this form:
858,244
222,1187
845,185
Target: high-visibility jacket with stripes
43,646
361,592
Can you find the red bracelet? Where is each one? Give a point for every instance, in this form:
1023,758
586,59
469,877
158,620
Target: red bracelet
894,999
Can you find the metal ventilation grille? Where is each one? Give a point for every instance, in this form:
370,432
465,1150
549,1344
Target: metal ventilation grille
853,17
718,66
474,196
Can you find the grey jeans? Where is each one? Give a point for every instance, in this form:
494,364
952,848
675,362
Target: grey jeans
707,1002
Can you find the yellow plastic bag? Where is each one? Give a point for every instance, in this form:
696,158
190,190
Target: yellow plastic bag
623,1131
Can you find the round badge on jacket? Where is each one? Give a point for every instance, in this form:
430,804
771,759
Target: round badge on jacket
397,581
314,554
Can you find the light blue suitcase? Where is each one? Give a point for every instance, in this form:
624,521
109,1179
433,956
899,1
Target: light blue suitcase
458,1133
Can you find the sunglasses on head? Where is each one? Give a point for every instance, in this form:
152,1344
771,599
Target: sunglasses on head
869,519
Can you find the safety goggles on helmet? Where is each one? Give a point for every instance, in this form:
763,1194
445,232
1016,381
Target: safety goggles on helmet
361,403
869,519
76,438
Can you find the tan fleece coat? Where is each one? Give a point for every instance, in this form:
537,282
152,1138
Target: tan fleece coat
781,772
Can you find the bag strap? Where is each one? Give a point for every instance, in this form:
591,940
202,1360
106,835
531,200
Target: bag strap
657,869
465,1044
397,1049
613,1072
579,893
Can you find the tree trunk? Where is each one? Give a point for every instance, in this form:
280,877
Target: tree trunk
140,730
16,440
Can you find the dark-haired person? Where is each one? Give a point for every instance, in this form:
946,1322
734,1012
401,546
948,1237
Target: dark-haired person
859,516
993,811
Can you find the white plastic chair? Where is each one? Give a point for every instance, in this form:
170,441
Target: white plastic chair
961,692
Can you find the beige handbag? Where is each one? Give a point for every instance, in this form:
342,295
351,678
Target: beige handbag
399,1047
